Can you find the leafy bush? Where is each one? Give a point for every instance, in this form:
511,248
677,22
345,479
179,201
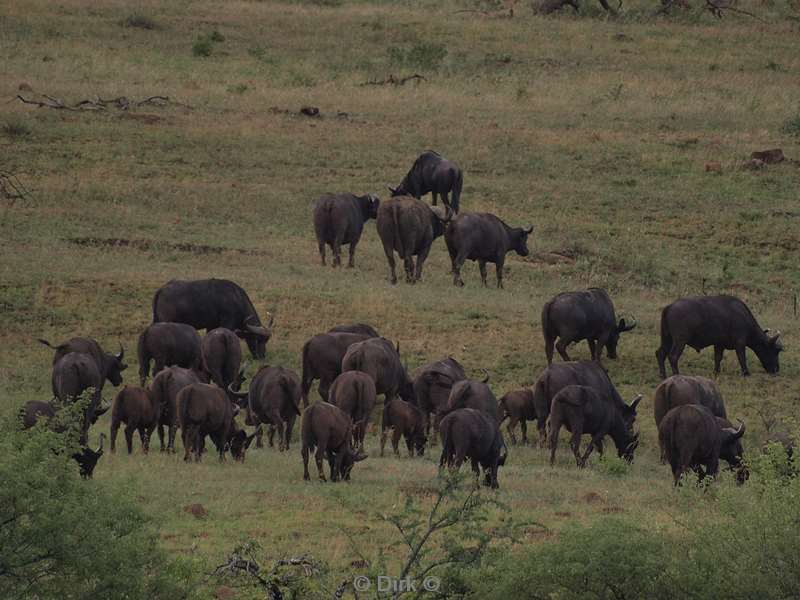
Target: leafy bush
61,537
203,46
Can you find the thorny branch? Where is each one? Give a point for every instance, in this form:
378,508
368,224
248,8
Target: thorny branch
121,103
11,188
392,80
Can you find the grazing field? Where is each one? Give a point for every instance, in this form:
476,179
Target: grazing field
620,141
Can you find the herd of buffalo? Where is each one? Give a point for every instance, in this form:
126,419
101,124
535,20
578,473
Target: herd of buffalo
197,382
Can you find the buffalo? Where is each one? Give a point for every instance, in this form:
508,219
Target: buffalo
168,344
691,437
354,392
222,358
582,410
74,374
273,398
469,393
684,389
32,411
339,220
322,359
587,315
211,303
379,359
164,390
470,433
359,328
408,226
432,385
485,238
109,365
140,411
431,172
724,322
206,410
517,407
407,420
87,458
329,430
558,376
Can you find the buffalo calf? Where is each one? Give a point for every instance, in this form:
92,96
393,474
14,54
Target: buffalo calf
517,407
329,430
339,220
405,420
164,391
139,411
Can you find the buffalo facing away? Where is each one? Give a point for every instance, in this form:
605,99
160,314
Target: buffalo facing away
485,238
322,359
164,390
587,315
379,359
408,226
406,420
354,393
517,407
329,430
431,172
470,433
359,328
582,410
724,322
211,303
685,389
432,385
110,366
140,411
339,220
168,344
692,438
469,393
222,358
74,374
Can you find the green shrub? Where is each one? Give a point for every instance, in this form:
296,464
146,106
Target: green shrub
15,129
203,46
216,36
791,126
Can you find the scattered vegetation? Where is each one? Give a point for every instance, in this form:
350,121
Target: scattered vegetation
204,44
139,21
15,129
425,56
791,126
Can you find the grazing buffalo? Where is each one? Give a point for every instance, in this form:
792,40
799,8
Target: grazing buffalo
109,365
322,359
517,407
164,391
485,238
470,433
432,172
339,220
558,376
588,315
222,358
87,458
724,322
354,392
360,328
329,430
692,438
273,398
408,226
407,420
211,303
685,389
469,393
379,359
206,410
432,385
140,411
32,411
582,410
73,374
168,344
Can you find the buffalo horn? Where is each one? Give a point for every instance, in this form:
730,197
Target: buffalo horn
121,354
625,326
485,376
528,229
636,401
238,394
256,329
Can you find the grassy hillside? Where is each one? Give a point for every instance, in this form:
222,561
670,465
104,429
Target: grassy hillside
599,133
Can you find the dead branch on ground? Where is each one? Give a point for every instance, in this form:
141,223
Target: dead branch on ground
120,103
392,80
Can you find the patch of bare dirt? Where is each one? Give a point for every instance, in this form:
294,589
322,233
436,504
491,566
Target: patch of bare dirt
150,245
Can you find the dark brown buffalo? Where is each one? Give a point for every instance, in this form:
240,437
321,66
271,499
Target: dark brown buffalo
164,390
724,322
469,393
206,410
404,419
431,172
692,438
339,220
87,458
432,385
222,358
211,303
470,433
380,359
485,238
74,374
329,430
109,365
558,376
354,392
587,315
408,226
685,389
517,407
274,399
322,359
583,411
140,411
34,410
168,344
360,328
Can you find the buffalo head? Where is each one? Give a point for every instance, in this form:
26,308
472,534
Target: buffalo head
519,241
769,350
374,203
256,336
348,460
613,338
115,366
239,444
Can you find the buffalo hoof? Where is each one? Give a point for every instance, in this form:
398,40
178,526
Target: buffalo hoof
306,477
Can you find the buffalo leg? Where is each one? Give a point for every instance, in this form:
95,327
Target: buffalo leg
561,346
337,252
396,441
661,356
742,356
718,351
271,436
410,445
596,440
458,262
171,441
389,251
499,269
482,269
114,429
187,438
421,258
351,261
160,429
408,266
549,345
476,469
304,453
593,349
259,438
318,456
289,427
434,197
129,429
512,423
144,437
281,435
675,355
523,425
321,247
384,436
555,428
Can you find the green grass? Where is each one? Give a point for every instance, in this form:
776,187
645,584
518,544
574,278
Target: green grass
598,140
